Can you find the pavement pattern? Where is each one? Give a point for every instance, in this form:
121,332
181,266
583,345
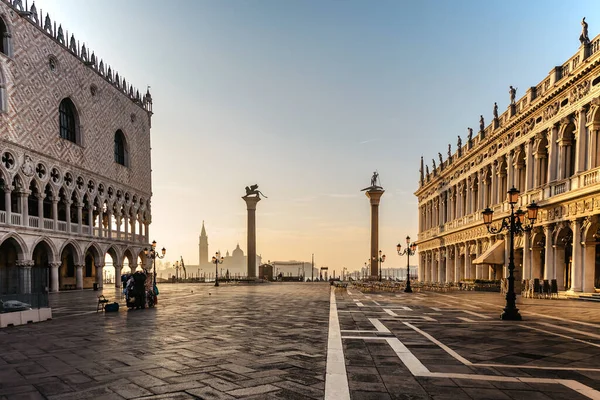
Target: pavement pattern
304,341
263,341
452,345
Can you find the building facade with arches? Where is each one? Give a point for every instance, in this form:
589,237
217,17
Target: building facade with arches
546,144
75,171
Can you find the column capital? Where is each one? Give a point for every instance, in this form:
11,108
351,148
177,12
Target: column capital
55,264
25,263
79,266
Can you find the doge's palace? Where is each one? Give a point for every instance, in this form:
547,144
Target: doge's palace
546,145
75,173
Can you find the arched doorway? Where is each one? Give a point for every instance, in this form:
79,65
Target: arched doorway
9,274
67,279
92,260
564,258
41,280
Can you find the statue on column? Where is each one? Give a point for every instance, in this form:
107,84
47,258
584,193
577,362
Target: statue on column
513,93
459,146
584,38
495,110
254,192
449,151
433,165
481,123
441,160
374,179
422,177
470,135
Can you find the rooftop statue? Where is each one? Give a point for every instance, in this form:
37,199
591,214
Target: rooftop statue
441,159
583,38
495,110
481,123
253,191
449,151
459,143
470,135
513,93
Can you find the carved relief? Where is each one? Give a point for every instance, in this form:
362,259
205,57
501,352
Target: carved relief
551,110
579,91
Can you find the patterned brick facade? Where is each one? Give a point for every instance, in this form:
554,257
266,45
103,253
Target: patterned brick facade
88,205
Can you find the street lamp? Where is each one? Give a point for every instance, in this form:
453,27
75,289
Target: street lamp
409,251
154,255
515,225
217,259
381,259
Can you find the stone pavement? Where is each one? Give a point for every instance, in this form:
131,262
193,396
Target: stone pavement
304,341
264,341
453,346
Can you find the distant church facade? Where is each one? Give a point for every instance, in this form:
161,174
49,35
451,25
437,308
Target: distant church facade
235,263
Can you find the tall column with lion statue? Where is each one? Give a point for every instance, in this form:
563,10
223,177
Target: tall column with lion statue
252,198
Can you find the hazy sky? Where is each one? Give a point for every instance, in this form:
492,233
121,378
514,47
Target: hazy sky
307,99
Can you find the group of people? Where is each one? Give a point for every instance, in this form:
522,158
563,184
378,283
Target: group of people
139,290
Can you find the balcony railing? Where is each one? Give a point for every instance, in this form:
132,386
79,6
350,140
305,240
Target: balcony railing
61,226
15,219
590,178
34,222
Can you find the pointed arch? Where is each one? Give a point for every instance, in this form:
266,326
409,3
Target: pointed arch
78,256
21,247
68,121
121,149
6,46
50,246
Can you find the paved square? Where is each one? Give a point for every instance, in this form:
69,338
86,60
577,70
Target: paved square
201,342
304,341
433,345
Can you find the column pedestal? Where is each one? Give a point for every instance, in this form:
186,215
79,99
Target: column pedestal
251,202
374,194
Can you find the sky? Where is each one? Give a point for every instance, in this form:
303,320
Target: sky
307,99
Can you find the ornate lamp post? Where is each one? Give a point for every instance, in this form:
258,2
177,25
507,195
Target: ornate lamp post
217,259
154,255
409,251
515,224
381,260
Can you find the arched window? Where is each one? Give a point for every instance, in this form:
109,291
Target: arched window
121,154
5,44
68,120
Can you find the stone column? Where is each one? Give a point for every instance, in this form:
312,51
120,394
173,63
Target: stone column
54,279
68,212
55,200
8,203
421,267
374,194
527,273
251,202
441,266
494,189
467,272
457,266
79,277
510,170
550,267
479,267
581,144
99,276
25,207
80,217
24,275
552,154
588,266
90,209
40,199
118,269
450,261
100,222
577,267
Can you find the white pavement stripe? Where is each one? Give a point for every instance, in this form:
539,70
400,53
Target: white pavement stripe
465,319
365,337
584,333
379,326
360,304
415,366
440,344
560,335
407,308
435,309
336,380
376,303
477,314
390,312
